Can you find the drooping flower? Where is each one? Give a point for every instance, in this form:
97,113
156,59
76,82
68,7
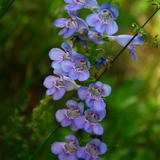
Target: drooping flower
103,21
76,39
66,116
93,94
78,68
59,56
58,85
95,36
124,39
66,150
78,4
92,150
89,122
101,62
70,25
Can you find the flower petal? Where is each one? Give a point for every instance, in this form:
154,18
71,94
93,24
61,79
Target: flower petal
84,75
73,127
107,90
49,81
57,64
56,54
70,32
63,155
57,147
71,103
98,129
73,74
92,19
81,107
79,121
67,66
59,93
103,148
66,122
111,28
88,127
81,152
60,22
63,31
51,91
74,6
99,104
61,114
83,92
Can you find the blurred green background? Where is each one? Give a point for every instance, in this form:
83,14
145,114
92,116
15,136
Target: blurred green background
132,122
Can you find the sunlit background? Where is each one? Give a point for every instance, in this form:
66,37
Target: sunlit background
132,123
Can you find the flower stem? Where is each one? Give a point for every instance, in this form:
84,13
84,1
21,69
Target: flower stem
94,47
127,44
43,144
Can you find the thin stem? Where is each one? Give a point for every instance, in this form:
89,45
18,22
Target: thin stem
41,147
94,46
127,44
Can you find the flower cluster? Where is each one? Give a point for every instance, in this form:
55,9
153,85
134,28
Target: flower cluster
68,66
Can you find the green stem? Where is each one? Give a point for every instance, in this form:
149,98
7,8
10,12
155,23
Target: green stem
94,46
41,147
127,44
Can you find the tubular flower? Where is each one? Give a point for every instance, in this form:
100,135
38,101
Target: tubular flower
66,150
92,150
70,25
89,122
66,116
78,68
124,39
93,94
60,56
95,36
103,21
76,39
58,85
78,4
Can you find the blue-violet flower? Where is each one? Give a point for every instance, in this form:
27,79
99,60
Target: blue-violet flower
70,25
60,56
103,21
124,39
95,36
78,68
58,85
66,116
92,150
78,4
66,151
89,122
93,94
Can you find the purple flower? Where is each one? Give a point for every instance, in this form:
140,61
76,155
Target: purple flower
57,86
66,116
89,122
95,36
78,68
60,56
101,62
93,94
66,151
76,39
70,25
78,4
92,150
124,39
103,21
